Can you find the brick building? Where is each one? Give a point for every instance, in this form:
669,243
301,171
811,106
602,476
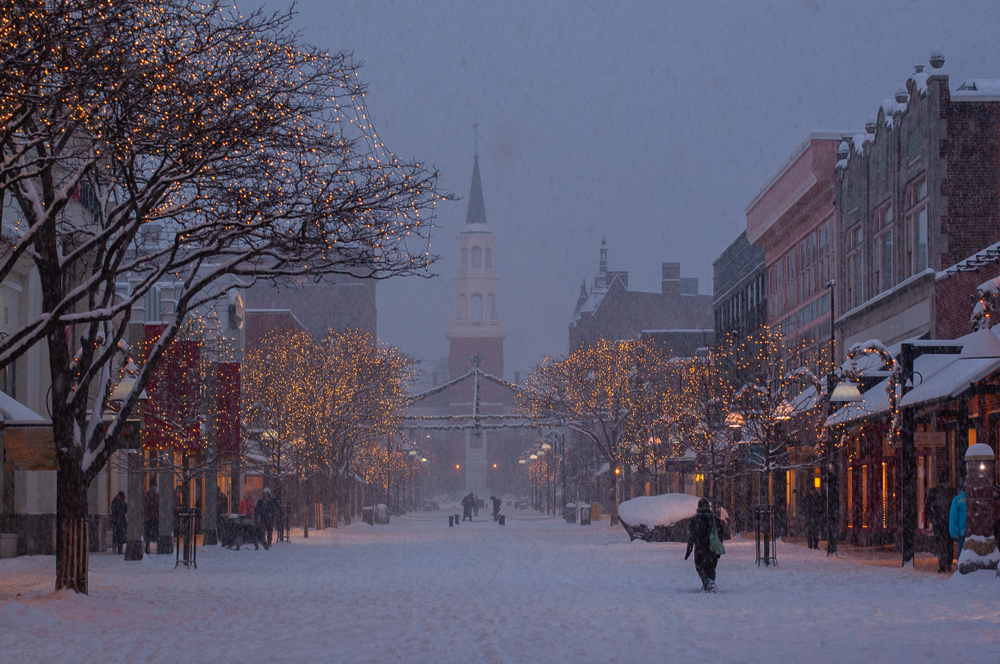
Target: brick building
336,303
740,288
609,310
792,218
917,192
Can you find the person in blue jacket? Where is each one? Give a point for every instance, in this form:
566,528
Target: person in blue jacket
956,520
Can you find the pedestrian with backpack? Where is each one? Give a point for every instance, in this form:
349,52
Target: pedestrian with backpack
705,537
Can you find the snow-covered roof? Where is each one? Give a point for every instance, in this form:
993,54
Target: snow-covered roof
987,256
15,411
977,89
815,135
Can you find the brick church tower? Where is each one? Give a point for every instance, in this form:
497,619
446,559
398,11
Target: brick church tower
476,334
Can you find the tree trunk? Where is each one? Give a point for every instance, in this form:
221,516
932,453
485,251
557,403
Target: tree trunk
134,495
210,511
72,555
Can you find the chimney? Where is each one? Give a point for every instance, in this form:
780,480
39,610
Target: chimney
671,280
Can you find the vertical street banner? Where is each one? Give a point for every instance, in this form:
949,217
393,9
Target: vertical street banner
173,412
228,410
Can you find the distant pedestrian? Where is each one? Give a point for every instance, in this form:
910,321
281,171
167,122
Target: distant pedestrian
467,507
247,505
475,505
151,514
956,520
813,507
704,524
496,507
937,508
266,512
119,514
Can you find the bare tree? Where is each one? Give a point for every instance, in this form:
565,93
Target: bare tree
601,392
203,144
765,384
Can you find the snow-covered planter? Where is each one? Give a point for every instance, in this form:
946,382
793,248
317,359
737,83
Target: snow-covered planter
664,518
978,553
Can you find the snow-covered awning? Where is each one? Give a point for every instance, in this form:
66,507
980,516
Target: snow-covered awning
13,411
947,376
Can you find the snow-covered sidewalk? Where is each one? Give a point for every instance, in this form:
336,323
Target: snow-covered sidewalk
538,590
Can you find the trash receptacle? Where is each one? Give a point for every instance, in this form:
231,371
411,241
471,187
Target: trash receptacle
381,514
569,512
368,515
585,514
595,511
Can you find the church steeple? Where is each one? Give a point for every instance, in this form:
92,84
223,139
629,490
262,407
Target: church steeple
477,208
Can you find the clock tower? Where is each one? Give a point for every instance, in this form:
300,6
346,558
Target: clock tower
476,333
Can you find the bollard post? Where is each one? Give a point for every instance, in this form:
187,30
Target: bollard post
980,549
502,519
456,519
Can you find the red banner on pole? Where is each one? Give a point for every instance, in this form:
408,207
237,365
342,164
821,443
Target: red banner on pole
228,411
173,412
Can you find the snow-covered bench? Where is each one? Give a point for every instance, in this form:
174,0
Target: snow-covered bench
664,518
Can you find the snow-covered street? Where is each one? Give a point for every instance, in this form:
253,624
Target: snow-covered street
539,590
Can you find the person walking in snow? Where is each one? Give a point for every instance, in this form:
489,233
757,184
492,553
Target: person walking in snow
467,508
937,507
496,507
119,512
475,505
266,512
956,520
699,538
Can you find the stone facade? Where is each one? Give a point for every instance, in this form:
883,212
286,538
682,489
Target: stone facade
917,192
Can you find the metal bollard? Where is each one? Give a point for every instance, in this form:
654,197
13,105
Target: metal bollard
457,517
451,521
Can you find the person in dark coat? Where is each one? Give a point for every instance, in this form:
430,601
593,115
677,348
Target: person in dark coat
119,514
937,508
266,513
496,506
813,507
705,560
151,515
467,507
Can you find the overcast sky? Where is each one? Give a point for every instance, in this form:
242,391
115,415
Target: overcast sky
650,123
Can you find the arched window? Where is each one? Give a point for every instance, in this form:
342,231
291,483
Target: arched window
476,306
477,258
489,258
465,258
491,301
